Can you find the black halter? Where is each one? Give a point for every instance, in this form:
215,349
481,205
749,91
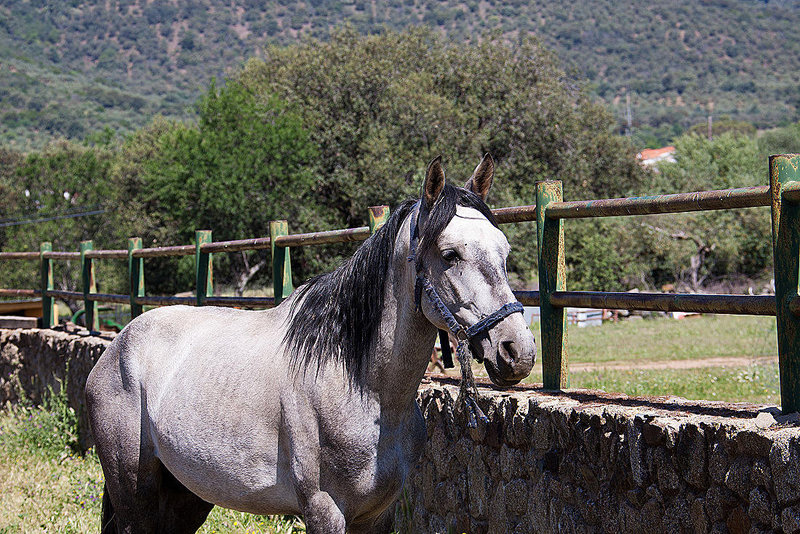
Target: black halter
463,335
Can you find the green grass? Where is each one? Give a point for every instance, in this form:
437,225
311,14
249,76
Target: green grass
663,340
659,339
46,486
755,383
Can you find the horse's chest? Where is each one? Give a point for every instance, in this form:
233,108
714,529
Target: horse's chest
376,462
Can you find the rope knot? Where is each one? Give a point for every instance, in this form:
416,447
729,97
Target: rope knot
468,391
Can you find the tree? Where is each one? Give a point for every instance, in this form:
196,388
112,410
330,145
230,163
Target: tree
717,244
60,195
380,107
246,161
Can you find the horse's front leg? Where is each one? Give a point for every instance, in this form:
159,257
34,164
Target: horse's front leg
320,512
322,515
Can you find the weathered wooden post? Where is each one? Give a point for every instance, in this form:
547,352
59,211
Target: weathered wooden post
135,276
90,318
281,262
46,270
552,277
784,175
204,268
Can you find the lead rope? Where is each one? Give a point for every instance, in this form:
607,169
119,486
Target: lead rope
468,391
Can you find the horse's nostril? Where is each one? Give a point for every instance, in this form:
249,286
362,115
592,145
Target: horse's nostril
509,350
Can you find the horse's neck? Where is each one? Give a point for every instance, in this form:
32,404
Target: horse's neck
406,338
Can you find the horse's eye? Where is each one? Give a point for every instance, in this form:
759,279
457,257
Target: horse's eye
450,255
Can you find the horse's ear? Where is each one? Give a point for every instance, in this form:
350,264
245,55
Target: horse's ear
434,182
481,180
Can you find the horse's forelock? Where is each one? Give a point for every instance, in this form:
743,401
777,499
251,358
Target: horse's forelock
444,211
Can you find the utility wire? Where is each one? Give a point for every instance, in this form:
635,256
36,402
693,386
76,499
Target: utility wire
19,222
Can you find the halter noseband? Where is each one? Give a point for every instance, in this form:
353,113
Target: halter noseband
463,335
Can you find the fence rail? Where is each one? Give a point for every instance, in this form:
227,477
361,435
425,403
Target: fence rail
667,302
782,195
745,197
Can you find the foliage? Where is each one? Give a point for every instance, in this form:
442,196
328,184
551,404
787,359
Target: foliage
730,250
314,133
61,195
245,162
785,140
49,429
69,68
46,486
722,126
723,242
603,255
381,107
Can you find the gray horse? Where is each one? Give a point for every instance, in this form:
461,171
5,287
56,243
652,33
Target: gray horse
307,408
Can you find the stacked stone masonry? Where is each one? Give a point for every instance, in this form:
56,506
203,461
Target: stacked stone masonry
571,462
32,361
583,461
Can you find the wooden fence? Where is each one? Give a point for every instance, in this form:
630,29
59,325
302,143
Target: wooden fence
782,195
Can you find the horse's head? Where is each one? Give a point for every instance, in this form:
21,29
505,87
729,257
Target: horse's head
461,255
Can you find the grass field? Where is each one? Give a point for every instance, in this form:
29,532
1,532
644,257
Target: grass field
614,346
662,356
46,487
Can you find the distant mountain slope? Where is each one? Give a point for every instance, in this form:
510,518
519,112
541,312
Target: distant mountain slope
72,67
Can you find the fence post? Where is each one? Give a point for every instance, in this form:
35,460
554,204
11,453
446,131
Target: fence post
48,321
552,277
281,262
378,216
204,268
90,318
135,276
785,168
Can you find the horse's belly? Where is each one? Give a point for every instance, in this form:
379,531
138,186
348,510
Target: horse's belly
253,481
238,466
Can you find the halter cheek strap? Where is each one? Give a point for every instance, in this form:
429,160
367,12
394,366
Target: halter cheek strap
461,333
468,391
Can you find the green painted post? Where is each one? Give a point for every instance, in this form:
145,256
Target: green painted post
90,317
204,267
281,262
786,248
135,275
552,277
48,319
378,215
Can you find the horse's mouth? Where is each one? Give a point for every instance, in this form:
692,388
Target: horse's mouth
497,376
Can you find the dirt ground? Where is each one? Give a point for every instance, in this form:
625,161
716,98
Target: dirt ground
672,364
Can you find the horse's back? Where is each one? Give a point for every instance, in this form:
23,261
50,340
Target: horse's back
188,385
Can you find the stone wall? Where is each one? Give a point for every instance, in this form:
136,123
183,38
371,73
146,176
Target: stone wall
32,360
583,461
576,461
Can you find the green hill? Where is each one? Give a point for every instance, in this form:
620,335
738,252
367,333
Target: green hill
72,68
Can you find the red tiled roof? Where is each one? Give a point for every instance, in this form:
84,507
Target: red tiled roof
650,153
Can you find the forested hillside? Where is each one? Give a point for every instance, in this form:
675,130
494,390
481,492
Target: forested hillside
71,68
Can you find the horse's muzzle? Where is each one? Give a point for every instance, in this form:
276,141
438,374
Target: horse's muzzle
513,359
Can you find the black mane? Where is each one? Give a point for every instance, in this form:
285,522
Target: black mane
335,316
